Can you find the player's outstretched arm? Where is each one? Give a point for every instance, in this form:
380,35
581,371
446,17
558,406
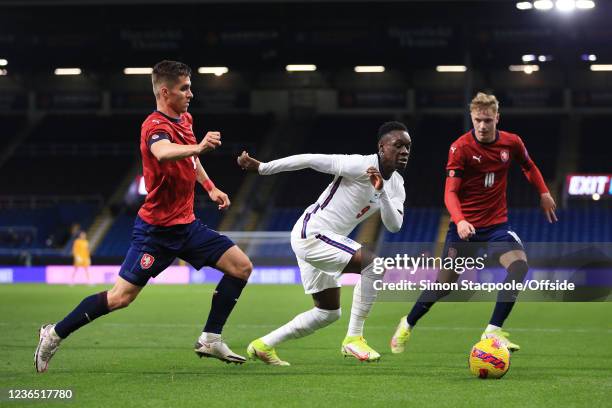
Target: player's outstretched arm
391,211
164,150
547,203
324,163
534,176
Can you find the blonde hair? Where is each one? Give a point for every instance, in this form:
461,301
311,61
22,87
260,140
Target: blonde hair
483,101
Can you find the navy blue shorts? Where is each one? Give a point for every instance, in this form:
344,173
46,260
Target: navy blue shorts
154,248
494,241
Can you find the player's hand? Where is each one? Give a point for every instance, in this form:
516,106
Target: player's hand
211,141
248,163
375,178
548,206
465,230
220,198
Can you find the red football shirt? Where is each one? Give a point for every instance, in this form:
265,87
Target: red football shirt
170,184
483,170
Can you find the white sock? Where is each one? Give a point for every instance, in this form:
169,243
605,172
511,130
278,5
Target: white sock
54,335
490,328
406,324
302,325
364,296
210,337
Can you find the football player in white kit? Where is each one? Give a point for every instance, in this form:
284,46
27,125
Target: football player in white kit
362,185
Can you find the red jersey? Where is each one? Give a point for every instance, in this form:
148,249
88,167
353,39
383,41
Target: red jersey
170,184
478,174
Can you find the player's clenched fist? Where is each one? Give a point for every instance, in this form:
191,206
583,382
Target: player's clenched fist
247,162
211,141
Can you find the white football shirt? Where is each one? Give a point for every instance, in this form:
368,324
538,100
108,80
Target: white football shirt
349,199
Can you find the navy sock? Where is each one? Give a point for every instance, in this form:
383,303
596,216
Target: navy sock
224,299
506,298
87,311
424,303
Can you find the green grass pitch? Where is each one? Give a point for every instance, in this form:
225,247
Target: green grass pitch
142,356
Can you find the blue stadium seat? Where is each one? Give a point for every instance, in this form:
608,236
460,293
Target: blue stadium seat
420,225
575,225
117,239
51,225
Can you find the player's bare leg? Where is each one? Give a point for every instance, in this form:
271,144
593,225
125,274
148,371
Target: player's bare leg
90,308
515,262
237,268
122,294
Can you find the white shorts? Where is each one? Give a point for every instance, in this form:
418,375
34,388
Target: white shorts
321,258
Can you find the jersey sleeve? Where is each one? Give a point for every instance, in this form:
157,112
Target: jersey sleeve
530,170
156,137
454,173
398,196
157,132
520,152
351,166
392,207
456,162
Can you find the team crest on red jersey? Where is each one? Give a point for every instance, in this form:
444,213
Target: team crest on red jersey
146,261
504,155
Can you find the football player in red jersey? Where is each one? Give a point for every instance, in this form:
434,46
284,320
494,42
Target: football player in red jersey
166,227
475,196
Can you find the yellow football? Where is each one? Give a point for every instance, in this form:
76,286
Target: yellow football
489,359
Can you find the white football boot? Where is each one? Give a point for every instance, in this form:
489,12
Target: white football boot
213,346
48,343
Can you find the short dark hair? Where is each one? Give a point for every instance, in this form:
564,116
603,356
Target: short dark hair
389,127
168,72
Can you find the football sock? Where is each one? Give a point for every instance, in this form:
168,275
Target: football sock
224,299
506,298
491,328
87,311
302,325
364,296
424,303
209,337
